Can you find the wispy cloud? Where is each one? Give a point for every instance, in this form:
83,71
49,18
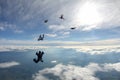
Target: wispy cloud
9,64
18,31
2,28
7,26
57,27
97,9
51,35
24,11
28,17
19,48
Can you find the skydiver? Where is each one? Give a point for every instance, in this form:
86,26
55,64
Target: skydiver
45,21
41,37
61,17
39,57
73,28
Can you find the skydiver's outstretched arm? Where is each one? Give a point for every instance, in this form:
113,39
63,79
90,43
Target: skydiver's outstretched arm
40,36
42,53
35,60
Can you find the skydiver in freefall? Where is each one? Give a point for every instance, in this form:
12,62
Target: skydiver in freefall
73,28
45,21
41,37
39,57
61,17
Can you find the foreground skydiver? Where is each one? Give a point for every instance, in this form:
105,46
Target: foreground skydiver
39,57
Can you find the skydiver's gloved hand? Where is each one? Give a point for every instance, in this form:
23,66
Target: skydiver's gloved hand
37,53
42,52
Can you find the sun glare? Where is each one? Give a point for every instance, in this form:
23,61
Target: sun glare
88,14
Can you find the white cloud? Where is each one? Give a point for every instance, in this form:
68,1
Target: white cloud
72,62
54,61
51,35
115,66
63,34
66,33
9,64
70,72
104,67
94,67
58,35
88,28
57,27
98,50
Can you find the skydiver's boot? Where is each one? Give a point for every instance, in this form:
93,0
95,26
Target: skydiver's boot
41,60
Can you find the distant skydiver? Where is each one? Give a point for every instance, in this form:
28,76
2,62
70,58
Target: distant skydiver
41,37
73,28
61,17
39,57
45,21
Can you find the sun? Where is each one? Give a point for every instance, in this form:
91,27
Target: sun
88,14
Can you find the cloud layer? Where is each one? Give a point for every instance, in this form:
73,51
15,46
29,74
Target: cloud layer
94,47
97,50
72,72
108,42
12,27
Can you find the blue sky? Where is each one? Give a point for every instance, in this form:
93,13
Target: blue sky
23,20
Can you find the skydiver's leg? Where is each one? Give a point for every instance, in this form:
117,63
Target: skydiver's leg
40,36
35,60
